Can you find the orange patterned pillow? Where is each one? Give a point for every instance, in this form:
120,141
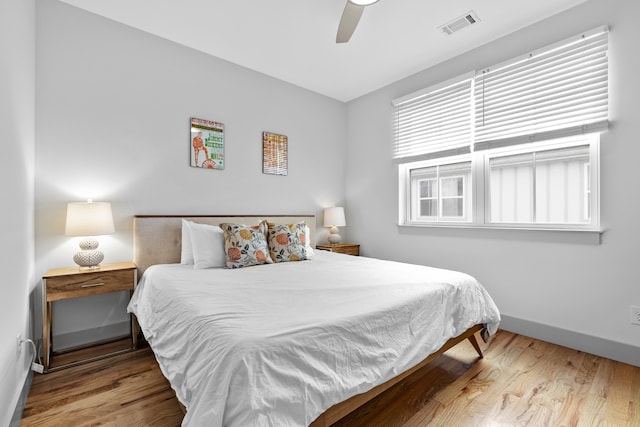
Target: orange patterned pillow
288,242
245,245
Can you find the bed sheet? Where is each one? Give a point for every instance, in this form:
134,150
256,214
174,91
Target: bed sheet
278,344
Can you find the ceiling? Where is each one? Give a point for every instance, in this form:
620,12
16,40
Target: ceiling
294,40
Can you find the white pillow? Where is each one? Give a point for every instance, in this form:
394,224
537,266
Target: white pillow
186,252
207,242
307,232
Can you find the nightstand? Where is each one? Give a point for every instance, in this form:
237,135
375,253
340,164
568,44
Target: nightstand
71,282
341,248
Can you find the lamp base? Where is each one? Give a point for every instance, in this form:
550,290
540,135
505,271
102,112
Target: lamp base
90,268
334,237
89,257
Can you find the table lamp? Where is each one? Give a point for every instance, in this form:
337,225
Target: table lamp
89,219
334,218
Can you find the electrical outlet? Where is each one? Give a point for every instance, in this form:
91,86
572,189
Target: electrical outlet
635,315
18,344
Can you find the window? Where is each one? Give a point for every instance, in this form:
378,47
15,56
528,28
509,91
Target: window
543,185
440,192
514,145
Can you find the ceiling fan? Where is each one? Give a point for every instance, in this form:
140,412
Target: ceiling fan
350,17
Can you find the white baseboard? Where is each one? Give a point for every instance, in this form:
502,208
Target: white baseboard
16,418
618,351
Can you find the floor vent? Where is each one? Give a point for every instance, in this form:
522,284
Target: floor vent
459,23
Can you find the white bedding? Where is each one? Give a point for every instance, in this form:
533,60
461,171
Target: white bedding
278,344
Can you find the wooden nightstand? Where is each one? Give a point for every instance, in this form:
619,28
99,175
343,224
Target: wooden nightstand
71,282
341,248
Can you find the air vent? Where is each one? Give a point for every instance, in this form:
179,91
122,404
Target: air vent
459,23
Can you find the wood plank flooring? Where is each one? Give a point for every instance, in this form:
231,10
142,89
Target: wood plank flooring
520,382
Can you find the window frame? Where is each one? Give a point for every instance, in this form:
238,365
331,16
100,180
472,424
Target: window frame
592,140
480,197
408,193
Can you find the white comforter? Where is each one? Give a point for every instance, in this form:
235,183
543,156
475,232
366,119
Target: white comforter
278,344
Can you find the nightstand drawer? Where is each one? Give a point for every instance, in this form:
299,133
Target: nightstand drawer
85,284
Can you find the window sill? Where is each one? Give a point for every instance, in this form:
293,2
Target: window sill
593,236
502,227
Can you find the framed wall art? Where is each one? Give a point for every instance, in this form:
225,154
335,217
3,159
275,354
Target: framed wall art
275,159
207,144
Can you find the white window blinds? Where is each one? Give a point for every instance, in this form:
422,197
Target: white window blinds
561,90
435,122
557,91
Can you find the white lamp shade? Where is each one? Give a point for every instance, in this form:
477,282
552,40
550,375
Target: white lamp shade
89,219
334,217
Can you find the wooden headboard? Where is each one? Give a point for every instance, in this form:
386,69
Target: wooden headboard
157,239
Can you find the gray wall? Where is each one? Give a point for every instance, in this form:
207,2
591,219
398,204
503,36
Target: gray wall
563,287
17,115
113,111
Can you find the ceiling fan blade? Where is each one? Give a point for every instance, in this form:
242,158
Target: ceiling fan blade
349,21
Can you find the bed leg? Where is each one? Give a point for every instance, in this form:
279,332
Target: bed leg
474,343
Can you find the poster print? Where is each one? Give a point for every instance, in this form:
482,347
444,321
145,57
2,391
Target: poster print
274,153
207,144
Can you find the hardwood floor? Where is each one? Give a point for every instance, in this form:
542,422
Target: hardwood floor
124,390
520,382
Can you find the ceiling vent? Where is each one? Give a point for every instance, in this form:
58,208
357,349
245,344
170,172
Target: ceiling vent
459,23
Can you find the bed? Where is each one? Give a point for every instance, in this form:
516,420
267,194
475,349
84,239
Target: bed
294,342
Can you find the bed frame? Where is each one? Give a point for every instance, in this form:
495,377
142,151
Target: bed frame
157,240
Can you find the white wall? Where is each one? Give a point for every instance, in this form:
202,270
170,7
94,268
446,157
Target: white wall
17,113
113,112
563,287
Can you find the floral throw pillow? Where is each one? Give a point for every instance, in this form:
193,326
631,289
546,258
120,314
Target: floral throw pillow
245,246
288,242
